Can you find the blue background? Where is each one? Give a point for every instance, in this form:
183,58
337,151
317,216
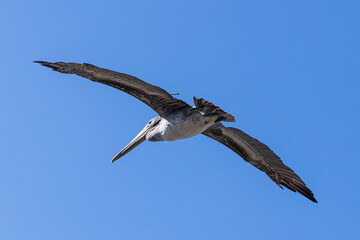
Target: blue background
288,70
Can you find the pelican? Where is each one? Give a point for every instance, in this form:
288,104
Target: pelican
178,120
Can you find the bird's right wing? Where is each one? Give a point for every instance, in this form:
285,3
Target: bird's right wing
260,156
156,98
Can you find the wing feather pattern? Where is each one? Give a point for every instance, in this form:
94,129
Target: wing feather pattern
156,98
260,156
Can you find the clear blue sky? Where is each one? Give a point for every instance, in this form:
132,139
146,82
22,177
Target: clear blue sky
288,70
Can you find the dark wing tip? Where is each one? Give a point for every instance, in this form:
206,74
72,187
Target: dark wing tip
53,66
61,66
42,62
309,195
300,188
312,199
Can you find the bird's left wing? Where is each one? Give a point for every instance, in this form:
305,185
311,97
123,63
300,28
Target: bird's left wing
156,98
260,156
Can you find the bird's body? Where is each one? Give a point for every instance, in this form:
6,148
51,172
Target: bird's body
178,120
184,124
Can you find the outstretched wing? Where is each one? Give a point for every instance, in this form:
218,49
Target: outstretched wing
156,98
259,155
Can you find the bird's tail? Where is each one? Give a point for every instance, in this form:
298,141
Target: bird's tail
209,109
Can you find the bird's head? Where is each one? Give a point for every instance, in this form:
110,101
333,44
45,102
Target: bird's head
141,137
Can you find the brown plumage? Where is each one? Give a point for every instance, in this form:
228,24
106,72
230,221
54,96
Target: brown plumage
209,109
156,98
176,116
260,156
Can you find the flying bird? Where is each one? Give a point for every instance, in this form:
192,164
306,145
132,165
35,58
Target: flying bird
178,120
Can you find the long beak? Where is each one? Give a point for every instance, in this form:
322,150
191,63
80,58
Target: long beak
141,137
